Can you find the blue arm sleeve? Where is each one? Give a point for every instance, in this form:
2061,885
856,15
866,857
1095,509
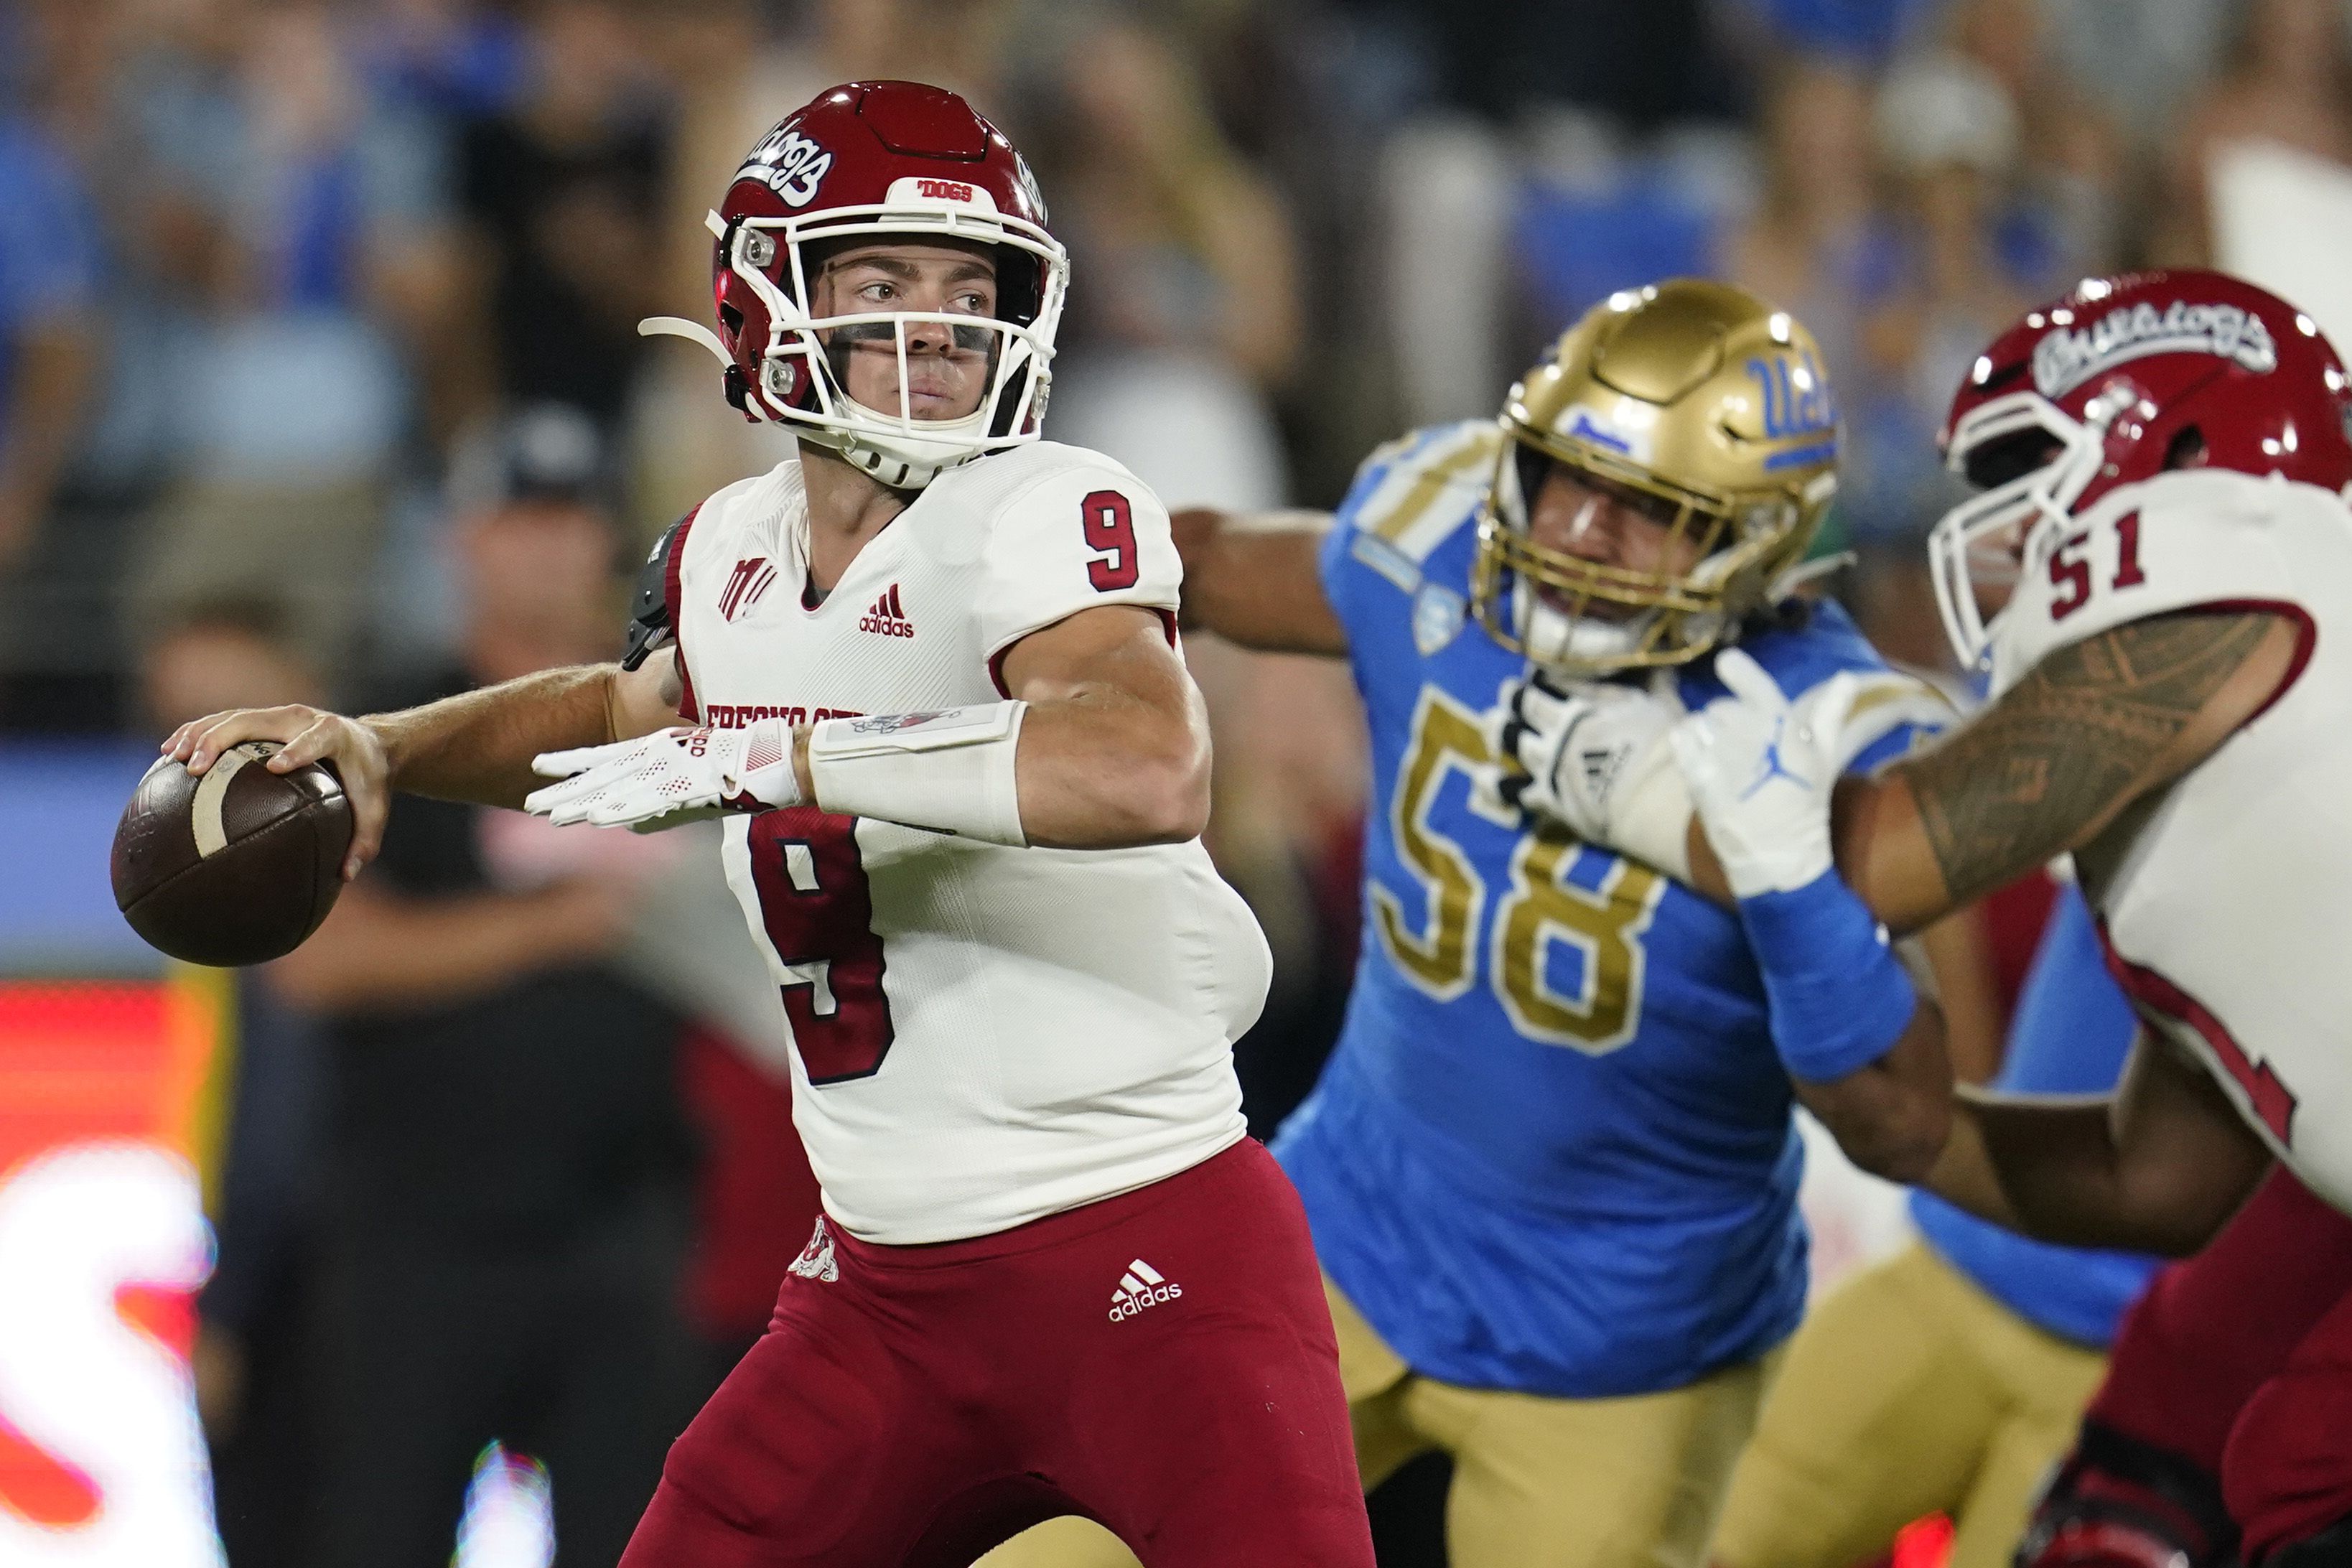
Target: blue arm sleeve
1837,995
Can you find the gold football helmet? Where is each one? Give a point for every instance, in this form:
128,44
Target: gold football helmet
1708,411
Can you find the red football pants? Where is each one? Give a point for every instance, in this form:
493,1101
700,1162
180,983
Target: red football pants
932,1401
2241,1359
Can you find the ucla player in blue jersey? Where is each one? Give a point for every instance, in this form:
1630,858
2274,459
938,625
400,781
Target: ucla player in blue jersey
1949,1378
1550,1167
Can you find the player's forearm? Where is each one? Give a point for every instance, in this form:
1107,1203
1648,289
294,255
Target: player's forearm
477,746
2055,1169
2041,1166
1256,580
1893,1117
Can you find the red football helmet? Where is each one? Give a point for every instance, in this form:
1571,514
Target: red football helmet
879,158
2115,383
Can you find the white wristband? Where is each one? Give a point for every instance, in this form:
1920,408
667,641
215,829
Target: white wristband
951,771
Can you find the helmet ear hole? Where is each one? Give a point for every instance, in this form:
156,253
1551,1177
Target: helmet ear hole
1019,285
2186,450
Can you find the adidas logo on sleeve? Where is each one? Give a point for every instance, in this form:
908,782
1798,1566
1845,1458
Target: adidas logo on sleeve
1141,1286
885,618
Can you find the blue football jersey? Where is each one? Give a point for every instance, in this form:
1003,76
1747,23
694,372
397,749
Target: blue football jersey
1552,1149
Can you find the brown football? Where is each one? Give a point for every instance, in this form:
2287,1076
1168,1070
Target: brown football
237,866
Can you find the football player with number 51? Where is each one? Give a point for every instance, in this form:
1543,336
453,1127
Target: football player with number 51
931,680
2163,462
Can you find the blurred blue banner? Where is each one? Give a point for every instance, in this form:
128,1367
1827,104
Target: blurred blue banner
58,803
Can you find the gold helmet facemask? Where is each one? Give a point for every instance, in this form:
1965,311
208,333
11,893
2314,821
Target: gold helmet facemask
1707,412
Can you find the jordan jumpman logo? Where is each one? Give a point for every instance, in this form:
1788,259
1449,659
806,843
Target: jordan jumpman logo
1773,766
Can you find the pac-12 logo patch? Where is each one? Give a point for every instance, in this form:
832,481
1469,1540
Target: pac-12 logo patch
1437,615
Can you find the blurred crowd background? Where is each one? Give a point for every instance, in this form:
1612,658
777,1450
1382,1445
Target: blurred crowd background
272,271
319,381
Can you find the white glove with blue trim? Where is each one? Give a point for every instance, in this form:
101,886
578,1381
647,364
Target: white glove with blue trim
1760,769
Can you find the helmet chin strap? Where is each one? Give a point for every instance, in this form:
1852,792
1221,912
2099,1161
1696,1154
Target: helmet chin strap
886,468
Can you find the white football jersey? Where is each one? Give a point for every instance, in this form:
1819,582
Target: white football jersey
982,1035
2229,916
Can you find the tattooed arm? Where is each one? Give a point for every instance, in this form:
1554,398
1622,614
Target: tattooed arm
2096,726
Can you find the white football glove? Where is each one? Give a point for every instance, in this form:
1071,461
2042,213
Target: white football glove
1760,769
669,777
1581,755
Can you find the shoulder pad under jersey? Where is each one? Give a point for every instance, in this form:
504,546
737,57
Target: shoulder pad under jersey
649,608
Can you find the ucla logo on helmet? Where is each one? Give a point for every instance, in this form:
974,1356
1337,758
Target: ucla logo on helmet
788,164
1797,396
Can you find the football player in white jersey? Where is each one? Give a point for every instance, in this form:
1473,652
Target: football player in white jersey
930,672
2163,462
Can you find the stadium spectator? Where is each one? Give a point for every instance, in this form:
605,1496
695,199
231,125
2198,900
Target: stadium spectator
49,357
289,193
1956,256
566,192
730,79
1809,239
48,267
505,1203
2070,152
1962,259
1189,311
2287,78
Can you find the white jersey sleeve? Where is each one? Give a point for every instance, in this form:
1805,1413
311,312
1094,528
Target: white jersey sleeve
2198,538
1084,532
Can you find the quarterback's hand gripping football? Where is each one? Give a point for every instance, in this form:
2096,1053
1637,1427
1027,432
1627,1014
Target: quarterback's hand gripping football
669,777
1594,758
1760,769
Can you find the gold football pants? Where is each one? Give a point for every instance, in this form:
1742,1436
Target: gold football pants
1538,1482
1908,1391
